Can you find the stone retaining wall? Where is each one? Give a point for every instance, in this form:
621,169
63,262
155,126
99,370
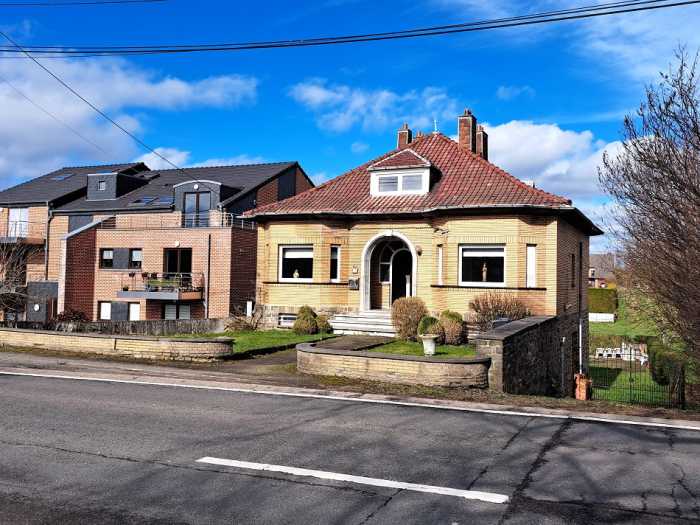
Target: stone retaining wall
390,368
141,347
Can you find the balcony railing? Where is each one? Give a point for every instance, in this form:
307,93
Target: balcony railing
211,219
163,286
23,231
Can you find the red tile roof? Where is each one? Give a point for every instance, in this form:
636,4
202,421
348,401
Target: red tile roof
465,181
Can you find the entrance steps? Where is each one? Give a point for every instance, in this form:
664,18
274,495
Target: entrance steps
371,322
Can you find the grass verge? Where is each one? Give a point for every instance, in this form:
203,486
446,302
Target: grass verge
416,349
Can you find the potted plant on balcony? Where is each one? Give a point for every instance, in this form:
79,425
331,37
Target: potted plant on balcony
125,288
431,332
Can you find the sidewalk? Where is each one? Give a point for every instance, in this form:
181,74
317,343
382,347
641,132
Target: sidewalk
275,375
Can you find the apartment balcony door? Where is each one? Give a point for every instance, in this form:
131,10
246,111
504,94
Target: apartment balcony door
196,208
178,265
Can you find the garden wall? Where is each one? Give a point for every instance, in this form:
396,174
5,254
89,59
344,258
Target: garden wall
140,347
390,368
157,327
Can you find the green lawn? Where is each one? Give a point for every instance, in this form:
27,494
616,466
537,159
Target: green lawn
244,341
411,348
625,326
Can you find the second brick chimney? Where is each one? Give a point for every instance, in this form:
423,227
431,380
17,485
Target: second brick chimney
482,143
405,136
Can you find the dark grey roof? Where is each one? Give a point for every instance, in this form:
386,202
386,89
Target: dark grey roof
604,263
240,179
57,184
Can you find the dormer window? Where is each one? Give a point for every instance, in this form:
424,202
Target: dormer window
403,173
101,185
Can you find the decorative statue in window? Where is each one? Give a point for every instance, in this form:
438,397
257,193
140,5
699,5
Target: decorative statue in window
296,274
484,272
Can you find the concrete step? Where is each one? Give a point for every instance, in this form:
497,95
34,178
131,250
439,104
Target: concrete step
360,319
364,332
375,322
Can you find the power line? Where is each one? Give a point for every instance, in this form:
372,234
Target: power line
579,13
69,3
54,117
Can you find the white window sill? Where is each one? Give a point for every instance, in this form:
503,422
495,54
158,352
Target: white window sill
480,284
282,280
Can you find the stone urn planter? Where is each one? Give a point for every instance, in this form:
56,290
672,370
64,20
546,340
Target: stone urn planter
429,343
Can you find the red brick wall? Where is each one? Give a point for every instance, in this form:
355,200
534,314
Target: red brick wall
81,254
303,183
244,247
267,194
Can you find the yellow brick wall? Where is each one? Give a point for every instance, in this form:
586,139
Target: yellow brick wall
515,232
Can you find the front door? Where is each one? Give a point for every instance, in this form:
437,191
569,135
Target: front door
401,274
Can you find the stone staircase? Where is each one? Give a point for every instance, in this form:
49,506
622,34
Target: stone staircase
372,322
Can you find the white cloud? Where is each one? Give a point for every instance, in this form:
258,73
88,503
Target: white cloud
183,159
33,143
359,147
339,107
561,161
511,92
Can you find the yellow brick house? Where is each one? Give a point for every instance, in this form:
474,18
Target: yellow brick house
432,218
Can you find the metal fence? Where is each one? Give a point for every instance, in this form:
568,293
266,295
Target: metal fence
624,379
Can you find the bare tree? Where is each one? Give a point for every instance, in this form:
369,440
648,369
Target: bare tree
13,274
655,181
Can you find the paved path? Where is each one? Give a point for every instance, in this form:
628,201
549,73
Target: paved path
76,451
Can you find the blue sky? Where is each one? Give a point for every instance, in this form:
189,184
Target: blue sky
552,96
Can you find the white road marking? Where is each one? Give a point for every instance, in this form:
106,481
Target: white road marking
350,399
361,480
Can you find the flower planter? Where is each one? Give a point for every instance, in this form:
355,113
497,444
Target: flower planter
429,343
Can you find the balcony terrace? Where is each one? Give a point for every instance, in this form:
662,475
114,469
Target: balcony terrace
162,286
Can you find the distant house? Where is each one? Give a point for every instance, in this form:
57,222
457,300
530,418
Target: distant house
601,268
432,218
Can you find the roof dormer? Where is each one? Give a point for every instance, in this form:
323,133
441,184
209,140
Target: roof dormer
403,173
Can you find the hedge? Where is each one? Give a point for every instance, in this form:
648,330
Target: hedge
665,363
602,300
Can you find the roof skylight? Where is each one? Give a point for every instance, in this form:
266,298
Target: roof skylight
142,201
62,176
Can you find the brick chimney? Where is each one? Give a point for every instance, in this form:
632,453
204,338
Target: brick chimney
466,125
482,143
405,136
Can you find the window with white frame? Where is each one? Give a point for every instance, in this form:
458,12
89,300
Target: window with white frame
482,265
296,263
18,222
400,182
439,265
531,266
105,309
335,264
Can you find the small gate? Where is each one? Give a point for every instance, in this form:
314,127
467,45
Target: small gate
624,378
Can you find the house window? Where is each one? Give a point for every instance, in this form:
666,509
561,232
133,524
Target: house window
482,265
18,222
172,311
101,185
439,265
105,310
135,258
106,258
335,264
389,183
531,266
196,208
411,182
296,263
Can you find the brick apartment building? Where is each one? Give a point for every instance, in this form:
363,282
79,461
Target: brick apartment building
123,242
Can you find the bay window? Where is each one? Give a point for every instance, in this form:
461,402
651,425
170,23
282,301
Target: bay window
296,263
482,265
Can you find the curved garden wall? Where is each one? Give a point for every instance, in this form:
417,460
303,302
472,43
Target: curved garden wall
391,368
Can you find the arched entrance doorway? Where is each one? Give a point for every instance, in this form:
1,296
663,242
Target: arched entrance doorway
388,271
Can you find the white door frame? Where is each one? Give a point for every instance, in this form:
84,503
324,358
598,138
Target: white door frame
365,303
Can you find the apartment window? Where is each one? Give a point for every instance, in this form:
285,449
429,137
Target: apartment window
573,270
134,311
296,263
172,311
106,258
105,310
335,264
18,223
531,266
389,183
196,207
482,265
135,258
101,185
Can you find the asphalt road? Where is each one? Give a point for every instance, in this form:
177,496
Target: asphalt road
98,452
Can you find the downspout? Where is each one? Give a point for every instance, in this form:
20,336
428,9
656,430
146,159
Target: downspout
49,216
580,303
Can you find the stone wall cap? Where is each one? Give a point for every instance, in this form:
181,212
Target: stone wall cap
507,330
313,349
227,340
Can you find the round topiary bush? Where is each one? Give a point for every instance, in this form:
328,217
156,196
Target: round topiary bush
406,313
454,326
305,325
431,326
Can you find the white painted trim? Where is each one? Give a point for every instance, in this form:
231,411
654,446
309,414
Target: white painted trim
365,270
531,266
481,284
352,398
196,181
425,161
488,497
281,248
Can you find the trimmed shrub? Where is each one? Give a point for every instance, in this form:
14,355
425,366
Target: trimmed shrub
431,326
490,306
406,313
324,327
305,325
71,316
454,327
306,310
602,300
664,363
